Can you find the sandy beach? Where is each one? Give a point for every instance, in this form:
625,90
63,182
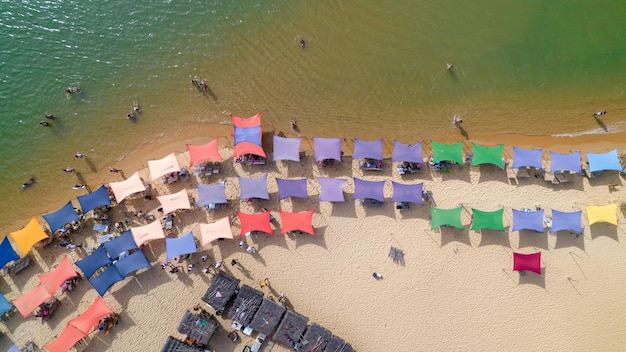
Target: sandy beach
456,289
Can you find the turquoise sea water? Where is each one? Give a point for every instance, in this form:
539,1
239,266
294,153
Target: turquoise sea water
370,68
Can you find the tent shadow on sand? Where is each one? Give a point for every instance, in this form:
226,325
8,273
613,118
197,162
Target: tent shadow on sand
529,238
305,238
603,229
20,279
388,209
489,237
415,211
457,172
530,278
345,209
492,173
452,234
566,239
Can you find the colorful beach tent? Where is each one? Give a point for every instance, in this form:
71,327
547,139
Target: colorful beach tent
606,161
565,162
287,148
143,234
27,303
184,244
255,222
93,262
121,244
103,282
7,253
368,149
332,189
5,305
487,220
214,231
407,193
602,213
163,167
445,217
131,263
487,155
369,190
247,135
79,327
527,158
199,154
411,153
528,220
301,221
327,148
566,221
291,188
211,194
26,238
97,198
61,217
57,276
253,187
127,187
527,262
448,152
176,201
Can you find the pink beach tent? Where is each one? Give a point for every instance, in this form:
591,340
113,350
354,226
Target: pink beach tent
143,234
219,229
163,166
527,262
172,202
57,276
27,303
127,187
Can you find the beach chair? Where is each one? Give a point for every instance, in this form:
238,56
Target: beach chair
216,168
510,174
549,177
198,169
18,265
562,177
522,173
469,157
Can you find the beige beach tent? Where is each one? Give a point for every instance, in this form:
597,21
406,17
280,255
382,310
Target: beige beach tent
602,213
127,187
143,234
219,229
172,202
163,166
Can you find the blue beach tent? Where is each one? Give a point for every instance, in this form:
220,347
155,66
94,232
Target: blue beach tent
97,198
61,217
606,161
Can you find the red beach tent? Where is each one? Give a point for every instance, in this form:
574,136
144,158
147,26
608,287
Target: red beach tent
247,135
203,153
255,222
57,276
527,262
302,221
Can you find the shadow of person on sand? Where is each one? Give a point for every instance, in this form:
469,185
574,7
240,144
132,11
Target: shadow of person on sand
601,123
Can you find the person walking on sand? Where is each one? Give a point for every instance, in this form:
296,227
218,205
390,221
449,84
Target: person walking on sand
234,262
250,249
599,113
264,283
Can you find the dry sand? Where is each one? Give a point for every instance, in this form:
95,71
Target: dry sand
455,291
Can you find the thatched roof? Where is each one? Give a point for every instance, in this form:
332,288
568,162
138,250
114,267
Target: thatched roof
220,291
199,327
267,317
175,345
338,345
315,339
246,304
290,329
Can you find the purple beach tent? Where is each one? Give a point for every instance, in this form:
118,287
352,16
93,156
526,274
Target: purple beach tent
253,187
211,194
527,220
565,162
604,162
61,217
566,221
286,148
327,148
368,149
407,193
527,158
291,188
369,190
332,189
411,153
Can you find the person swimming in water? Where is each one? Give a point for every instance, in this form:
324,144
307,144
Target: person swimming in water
28,183
302,43
131,115
599,113
50,116
449,67
44,123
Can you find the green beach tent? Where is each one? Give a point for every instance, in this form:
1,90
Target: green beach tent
487,220
448,152
488,155
448,217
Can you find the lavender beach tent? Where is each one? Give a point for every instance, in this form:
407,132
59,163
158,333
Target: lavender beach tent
291,188
332,189
603,162
211,194
368,149
528,220
411,153
369,189
95,199
286,148
527,158
565,162
178,246
407,193
253,188
61,217
566,221
327,148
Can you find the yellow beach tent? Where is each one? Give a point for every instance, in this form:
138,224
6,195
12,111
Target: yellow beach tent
602,213
27,237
